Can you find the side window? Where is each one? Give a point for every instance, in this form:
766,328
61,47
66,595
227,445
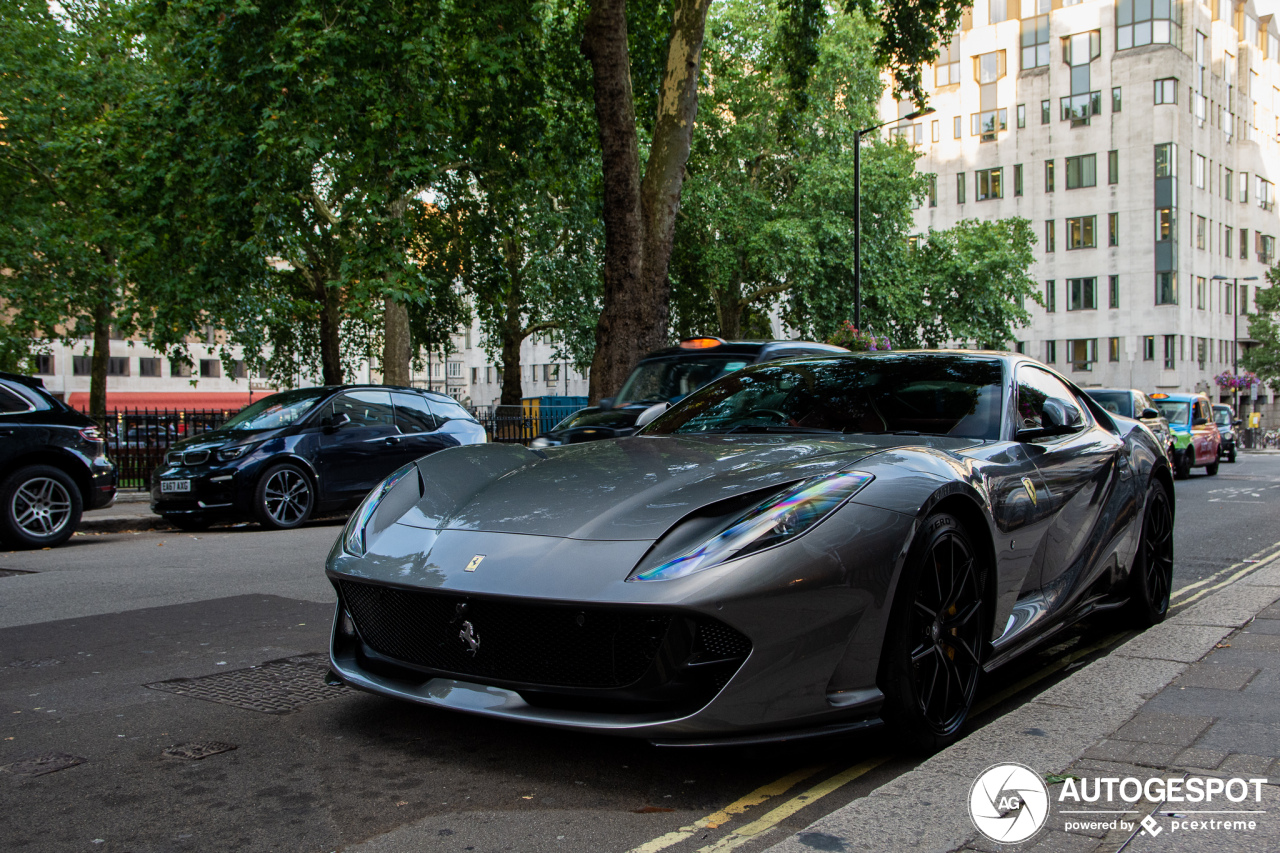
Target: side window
413,414
11,402
447,410
1036,386
365,408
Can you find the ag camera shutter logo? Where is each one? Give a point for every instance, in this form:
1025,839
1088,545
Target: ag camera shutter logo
1009,803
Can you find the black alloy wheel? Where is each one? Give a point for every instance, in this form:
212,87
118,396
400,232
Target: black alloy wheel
1151,578
284,497
933,652
1231,455
1212,467
41,507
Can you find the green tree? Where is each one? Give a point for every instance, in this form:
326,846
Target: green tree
1264,327
65,237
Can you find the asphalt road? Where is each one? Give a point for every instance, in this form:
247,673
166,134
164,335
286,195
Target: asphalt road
92,641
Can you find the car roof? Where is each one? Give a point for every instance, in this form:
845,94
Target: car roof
29,381
337,389
747,348
1180,398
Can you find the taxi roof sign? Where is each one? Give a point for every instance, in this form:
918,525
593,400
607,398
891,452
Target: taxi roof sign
700,343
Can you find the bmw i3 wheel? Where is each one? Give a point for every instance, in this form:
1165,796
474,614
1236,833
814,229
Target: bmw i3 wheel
284,497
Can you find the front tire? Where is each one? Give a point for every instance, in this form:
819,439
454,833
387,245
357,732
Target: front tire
1212,467
933,649
283,498
41,507
1151,578
1182,469
1231,455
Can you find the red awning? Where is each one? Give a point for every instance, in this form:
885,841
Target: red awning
222,401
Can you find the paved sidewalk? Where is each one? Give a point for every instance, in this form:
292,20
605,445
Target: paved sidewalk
1198,695
131,511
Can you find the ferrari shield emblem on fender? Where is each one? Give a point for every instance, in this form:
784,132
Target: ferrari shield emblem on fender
475,562
1026,484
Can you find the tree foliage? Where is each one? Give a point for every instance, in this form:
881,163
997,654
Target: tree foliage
1264,327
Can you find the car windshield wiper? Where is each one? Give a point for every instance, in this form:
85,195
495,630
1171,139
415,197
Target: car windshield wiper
781,428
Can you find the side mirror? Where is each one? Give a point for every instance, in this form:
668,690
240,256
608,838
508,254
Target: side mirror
338,420
1237,423
606,404
1056,418
649,414
1200,422
1149,413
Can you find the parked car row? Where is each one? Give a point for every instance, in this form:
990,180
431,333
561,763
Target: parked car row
1194,432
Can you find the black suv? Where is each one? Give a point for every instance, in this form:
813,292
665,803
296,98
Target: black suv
53,466
304,452
668,376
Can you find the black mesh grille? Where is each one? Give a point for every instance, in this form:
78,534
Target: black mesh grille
554,645
717,641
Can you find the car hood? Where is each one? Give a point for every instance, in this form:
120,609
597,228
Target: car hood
623,489
216,438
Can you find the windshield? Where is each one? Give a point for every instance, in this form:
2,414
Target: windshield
276,411
670,379
1178,414
1221,416
905,393
607,418
1115,402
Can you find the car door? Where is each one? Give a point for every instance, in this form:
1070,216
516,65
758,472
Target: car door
1080,470
1204,433
419,426
355,455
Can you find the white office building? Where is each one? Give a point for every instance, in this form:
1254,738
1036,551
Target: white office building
1142,140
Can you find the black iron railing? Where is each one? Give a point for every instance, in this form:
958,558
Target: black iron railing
137,439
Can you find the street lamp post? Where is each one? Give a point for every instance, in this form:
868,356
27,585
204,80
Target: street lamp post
857,208
1235,330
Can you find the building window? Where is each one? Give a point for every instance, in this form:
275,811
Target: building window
1050,352
179,368
1200,229
1113,289
1081,232
44,364
1140,22
1148,347
1115,99
1082,171
210,368
149,367
1113,349
1201,288
955,127
239,371
947,69
81,365
1113,167
933,190
935,132
1244,187
1166,225
1082,294
1113,229
1266,247
1229,177
1044,112
1017,179
1048,176
988,183
960,188
1265,192
1082,353
454,370
1166,288
1202,352
1170,352
1050,296
1078,51
1022,116
1244,244
1050,243
1166,160
1166,90
1227,232
1197,170
1035,34
1020,347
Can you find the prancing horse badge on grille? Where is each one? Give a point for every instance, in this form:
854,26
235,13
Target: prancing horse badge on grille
469,636
475,563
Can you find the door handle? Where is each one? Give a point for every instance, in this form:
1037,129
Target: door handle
393,439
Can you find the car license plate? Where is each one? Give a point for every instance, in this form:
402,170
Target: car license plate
175,486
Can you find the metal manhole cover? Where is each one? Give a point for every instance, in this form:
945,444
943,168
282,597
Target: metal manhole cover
8,573
39,765
34,664
198,750
275,687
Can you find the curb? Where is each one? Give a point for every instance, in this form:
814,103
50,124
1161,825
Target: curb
122,523
1049,733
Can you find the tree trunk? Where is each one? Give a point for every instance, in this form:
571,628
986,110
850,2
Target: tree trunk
397,350
101,352
512,387
330,329
639,215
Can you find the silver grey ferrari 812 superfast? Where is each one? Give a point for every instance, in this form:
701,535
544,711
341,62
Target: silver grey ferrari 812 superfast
802,547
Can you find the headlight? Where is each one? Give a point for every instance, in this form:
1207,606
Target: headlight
227,454
780,518
353,538
539,443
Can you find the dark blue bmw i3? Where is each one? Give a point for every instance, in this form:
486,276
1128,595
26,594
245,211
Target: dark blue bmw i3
304,452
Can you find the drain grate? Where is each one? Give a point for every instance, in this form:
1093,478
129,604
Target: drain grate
8,573
275,687
198,750
39,765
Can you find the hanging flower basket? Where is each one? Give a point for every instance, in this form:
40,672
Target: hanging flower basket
1230,380
857,340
